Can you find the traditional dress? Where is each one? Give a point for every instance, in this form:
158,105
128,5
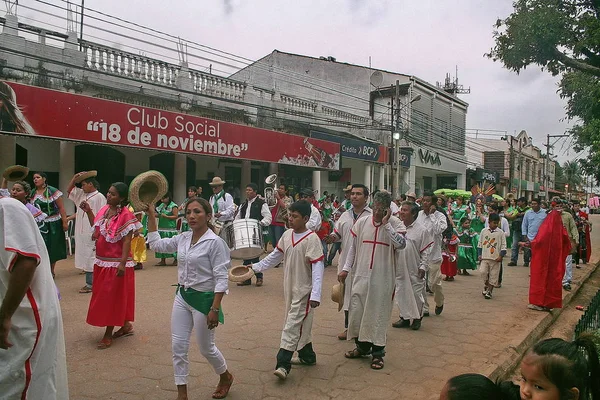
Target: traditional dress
342,231
549,250
84,245
459,212
138,243
54,237
166,227
181,213
35,366
476,224
449,265
467,248
372,260
113,297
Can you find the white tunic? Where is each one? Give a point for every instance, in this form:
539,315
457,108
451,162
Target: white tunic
342,231
302,277
85,247
225,205
35,367
373,262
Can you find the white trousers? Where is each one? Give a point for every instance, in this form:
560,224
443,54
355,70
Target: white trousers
183,319
434,279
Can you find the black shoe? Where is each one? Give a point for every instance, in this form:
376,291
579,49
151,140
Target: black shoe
512,264
415,325
401,323
567,287
438,310
577,266
426,314
526,265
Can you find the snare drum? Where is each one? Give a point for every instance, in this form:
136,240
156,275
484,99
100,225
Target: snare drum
244,238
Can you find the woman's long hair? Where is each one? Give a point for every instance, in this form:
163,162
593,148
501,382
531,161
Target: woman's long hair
11,116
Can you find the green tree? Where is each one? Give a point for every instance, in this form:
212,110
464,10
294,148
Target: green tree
562,37
572,175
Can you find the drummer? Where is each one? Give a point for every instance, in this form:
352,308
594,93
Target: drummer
221,202
254,208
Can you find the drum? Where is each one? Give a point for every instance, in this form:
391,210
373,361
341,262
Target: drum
218,226
244,238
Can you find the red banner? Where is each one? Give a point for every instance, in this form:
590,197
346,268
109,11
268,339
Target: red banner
61,115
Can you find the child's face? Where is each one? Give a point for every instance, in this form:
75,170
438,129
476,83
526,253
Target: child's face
297,221
466,224
534,384
493,224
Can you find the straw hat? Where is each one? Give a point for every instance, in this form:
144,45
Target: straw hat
240,273
411,194
146,189
347,188
337,294
85,175
217,181
15,173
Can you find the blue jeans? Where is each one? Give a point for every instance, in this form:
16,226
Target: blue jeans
514,255
276,233
335,248
89,277
568,270
325,248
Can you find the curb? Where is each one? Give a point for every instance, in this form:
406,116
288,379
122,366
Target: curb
516,352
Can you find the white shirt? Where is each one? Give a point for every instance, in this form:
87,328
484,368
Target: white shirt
226,207
436,223
394,208
314,222
503,225
264,211
202,266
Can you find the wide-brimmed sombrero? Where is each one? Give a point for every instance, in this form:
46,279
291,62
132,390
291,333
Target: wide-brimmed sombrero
337,294
217,181
240,273
146,189
15,173
86,175
347,188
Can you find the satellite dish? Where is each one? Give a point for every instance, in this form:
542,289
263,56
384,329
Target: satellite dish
377,79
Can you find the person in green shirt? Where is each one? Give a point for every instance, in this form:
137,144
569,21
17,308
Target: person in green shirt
167,225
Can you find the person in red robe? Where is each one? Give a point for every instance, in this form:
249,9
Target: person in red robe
549,249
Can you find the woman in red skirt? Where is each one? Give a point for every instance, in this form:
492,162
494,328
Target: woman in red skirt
113,294
449,267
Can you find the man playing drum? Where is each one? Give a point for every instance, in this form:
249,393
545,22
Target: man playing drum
221,203
254,208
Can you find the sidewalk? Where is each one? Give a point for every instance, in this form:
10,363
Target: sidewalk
471,335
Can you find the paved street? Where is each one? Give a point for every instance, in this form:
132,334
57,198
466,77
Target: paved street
472,335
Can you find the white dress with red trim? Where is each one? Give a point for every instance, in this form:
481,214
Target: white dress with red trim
35,366
85,248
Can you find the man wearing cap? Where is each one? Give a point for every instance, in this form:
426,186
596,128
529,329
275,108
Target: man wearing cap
85,248
254,208
411,196
314,223
221,201
347,203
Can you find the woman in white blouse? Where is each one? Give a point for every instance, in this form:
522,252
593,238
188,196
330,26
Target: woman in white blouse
203,261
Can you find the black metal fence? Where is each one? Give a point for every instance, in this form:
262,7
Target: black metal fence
590,321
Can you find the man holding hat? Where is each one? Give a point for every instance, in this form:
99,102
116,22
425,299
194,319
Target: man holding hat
221,201
85,249
314,222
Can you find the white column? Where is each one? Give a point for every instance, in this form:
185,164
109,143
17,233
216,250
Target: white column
273,168
367,181
179,191
316,183
66,171
381,176
8,148
461,181
246,176
409,177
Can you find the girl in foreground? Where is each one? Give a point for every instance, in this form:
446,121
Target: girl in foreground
202,281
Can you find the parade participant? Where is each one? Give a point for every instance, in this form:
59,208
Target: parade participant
21,191
138,242
490,250
221,202
279,213
503,208
555,369
411,267
85,248
323,233
495,208
584,250
516,219
411,196
300,250
359,196
113,293
347,202
569,224
478,216
478,387
549,249
254,208
49,200
32,347
167,212
436,222
459,210
202,283
372,260
449,267
532,220
314,223
467,247
192,191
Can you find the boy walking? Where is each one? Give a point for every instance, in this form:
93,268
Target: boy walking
491,249
302,253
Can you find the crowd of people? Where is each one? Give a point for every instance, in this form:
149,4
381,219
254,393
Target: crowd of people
391,253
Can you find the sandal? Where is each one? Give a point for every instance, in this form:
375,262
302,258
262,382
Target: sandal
122,332
161,264
222,391
85,289
355,353
104,344
377,363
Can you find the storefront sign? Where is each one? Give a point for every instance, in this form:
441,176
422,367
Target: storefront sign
429,157
486,175
60,115
354,148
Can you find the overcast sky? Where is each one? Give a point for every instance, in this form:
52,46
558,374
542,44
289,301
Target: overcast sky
425,38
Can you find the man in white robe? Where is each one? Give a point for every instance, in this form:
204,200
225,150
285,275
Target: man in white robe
85,248
32,349
314,222
372,260
412,264
359,196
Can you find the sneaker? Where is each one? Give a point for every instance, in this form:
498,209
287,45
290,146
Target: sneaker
426,314
438,310
537,308
487,295
512,264
401,323
484,292
499,286
567,287
577,266
281,373
300,361
416,325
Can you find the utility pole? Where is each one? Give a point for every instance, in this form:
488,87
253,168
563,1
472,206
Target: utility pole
396,183
547,163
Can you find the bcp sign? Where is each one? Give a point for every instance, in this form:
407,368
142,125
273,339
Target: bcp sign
354,148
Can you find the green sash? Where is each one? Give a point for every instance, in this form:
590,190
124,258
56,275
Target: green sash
200,301
217,197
